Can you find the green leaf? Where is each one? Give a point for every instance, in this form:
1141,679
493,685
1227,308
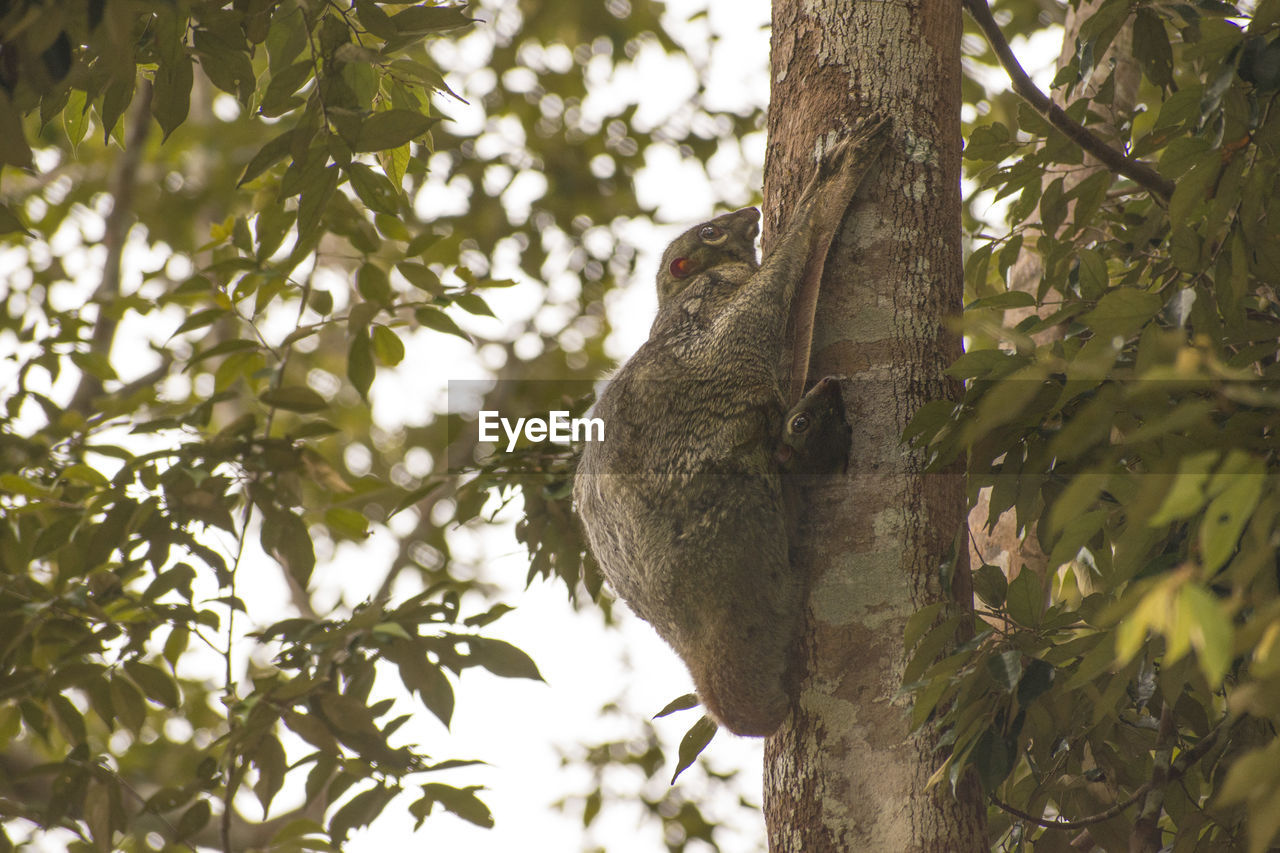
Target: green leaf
321,302
75,118
82,475
1075,500
990,143
1212,635
346,523
991,585
270,154
226,63
13,141
199,320
694,741
393,630
1092,274
268,757
1037,678
1122,312
18,485
360,811
433,318
178,578
69,718
502,658
171,95
392,128
1089,195
286,38
387,346
426,19
278,98
680,703
315,198
394,161
1006,669
473,303
1025,599
421,277
919,623
488,617
360,368
429,682
462,802
373,284
128,704
313,731
939,637
270,228
9,221
373,189
1226,517
155,683
1193,189
176,644
294,398
1186,493
193,819
928,420
117,99
55,535
1151,47
375,20
993,757
286,538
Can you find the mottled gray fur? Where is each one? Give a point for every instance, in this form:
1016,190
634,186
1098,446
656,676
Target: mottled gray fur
683,502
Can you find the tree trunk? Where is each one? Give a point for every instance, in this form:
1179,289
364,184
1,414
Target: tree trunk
844,773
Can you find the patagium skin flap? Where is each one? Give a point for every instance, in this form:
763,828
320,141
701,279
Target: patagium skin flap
683,501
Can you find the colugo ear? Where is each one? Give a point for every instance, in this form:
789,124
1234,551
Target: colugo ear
682,267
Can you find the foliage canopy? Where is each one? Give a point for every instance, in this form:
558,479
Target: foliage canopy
224,226
1123,404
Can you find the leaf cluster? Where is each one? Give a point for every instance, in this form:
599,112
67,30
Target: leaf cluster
1123,410
226,231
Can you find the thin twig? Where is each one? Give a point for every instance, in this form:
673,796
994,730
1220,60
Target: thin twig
1113,158
1175,771
1072,824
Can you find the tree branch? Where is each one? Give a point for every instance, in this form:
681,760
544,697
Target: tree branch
1145,836
1114,159
118,223
1164,772
1072,824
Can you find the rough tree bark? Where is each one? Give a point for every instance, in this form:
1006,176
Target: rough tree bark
844,774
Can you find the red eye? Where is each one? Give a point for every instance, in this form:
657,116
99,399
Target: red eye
681,267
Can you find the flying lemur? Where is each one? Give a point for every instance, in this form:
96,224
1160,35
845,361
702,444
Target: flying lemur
683,501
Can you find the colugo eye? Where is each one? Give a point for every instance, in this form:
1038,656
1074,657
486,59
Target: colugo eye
710,234
800,423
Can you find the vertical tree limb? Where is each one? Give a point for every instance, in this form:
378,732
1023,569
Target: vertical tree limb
118,223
